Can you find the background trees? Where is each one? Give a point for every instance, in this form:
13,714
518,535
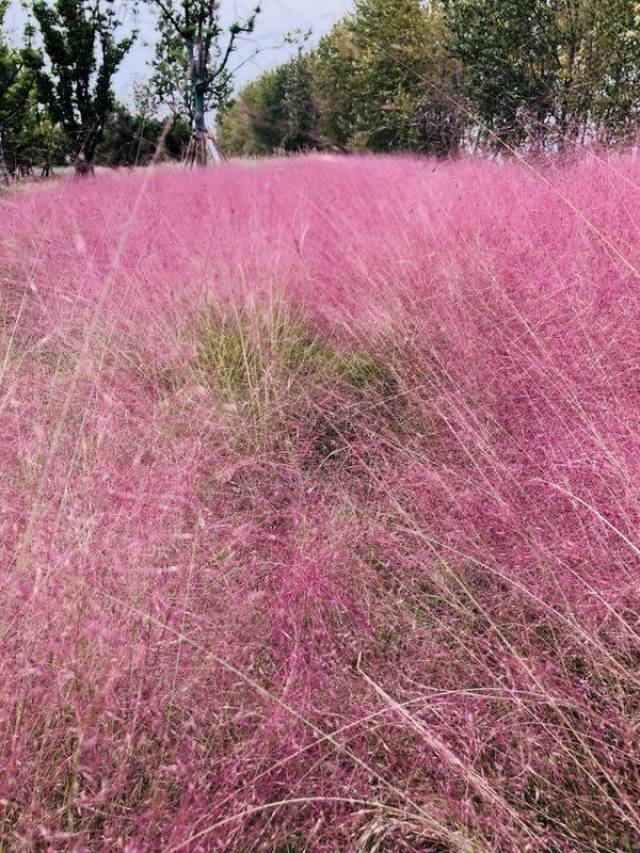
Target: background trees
59,101
430,76
609,91
548,73
397,45
380,80
83,55
136,138
373,82
278,111
257,119
19,68
508,52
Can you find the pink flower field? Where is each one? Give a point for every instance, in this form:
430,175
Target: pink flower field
319,503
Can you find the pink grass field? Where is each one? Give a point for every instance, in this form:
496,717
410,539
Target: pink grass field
319,502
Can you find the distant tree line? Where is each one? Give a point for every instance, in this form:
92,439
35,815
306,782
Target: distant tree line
437,76
431,76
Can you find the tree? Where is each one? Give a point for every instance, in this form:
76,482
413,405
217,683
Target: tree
608,68
79,38
194,40
256,122
276,112
381,80
508,52
548,72
18,73
170,80
335,83
396,43
432,76
33,140
299,104
4,172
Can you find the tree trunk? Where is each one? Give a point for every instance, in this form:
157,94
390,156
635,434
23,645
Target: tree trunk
200,136
84,166
198,87
4,172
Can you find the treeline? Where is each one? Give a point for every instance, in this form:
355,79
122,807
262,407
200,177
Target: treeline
34,144
438,76
432,76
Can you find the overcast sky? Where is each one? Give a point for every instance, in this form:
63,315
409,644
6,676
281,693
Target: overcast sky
277,18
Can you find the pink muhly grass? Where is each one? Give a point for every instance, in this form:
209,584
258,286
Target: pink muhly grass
319,508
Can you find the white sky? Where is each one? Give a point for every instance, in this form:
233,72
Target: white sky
277,18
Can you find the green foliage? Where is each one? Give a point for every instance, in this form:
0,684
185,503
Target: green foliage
135,139
430,76
171,75
396,43
80,41
369,83
21,130
299,104
336,87
608,59
507,51
36,142
548,71
278,111
256,122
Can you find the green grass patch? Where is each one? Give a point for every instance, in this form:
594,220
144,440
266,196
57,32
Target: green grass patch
298,389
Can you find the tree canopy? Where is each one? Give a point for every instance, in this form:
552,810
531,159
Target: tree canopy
436,76
19,70
83,52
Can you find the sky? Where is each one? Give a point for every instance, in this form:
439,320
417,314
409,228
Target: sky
277,18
